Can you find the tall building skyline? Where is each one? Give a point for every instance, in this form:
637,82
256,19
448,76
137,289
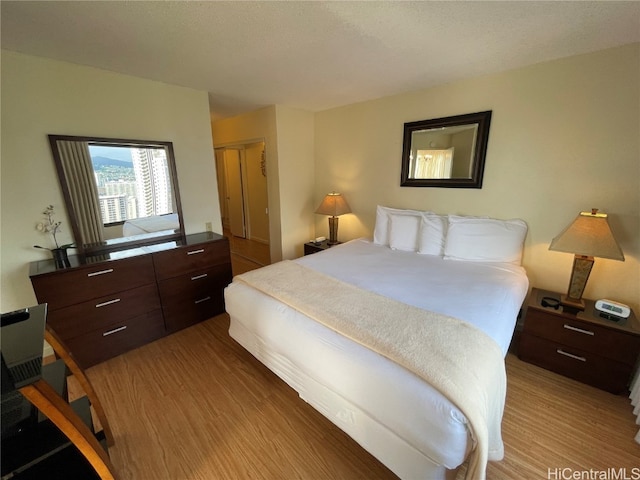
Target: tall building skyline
123,198
153,183
113,208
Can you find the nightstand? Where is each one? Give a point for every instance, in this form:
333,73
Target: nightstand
584,346
312,247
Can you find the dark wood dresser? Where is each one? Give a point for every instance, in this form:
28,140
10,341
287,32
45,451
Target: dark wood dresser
583,346
104,306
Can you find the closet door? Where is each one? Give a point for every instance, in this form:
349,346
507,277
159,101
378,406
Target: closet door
256,197
222,187
234,192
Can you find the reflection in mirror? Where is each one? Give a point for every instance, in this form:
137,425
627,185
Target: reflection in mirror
445,152
119,193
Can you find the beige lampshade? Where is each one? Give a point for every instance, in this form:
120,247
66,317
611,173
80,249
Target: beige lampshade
333,204
589,235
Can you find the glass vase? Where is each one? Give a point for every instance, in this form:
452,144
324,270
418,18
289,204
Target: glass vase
60,257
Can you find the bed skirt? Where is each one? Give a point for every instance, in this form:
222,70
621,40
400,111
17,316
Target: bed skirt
396,454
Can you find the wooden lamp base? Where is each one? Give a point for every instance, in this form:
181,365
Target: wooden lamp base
582,266
333,231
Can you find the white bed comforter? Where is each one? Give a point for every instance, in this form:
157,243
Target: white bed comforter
486,295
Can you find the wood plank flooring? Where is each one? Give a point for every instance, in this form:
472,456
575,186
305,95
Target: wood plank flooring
196,405
247,254
551,422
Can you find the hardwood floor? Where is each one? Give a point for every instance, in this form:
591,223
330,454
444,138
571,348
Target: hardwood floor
196,405
552,422
240,264
247,254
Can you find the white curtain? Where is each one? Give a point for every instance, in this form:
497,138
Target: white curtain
433,163
78,170
635,399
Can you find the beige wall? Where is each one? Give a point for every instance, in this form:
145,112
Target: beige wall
259,125
40,97
288,136
563,138
295,156
257,194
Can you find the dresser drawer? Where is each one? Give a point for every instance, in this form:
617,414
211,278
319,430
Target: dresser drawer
194,297
184,314
179,261
584,366
100,345
589,337
64,288
101,312
195,285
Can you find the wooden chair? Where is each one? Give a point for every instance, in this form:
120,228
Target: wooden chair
63,353
36,446
47,400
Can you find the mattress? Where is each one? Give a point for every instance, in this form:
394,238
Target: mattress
155,223
389,410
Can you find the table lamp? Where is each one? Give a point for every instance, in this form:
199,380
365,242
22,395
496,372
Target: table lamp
588,236
333,204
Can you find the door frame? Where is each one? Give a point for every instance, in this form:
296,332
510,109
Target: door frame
241,147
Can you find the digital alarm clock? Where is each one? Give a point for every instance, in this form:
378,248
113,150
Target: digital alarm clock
609,308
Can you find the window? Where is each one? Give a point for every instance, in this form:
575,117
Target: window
433,163
132,182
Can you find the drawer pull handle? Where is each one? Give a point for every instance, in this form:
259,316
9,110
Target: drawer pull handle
101,272
198,277
110,302
202,300
193,252
570,355
579,330
115,330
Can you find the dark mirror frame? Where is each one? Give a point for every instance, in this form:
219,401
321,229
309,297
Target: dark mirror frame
98,249
482,119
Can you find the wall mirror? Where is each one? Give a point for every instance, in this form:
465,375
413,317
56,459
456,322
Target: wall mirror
118,193
445,152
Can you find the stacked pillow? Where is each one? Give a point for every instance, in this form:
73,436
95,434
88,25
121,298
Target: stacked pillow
453,237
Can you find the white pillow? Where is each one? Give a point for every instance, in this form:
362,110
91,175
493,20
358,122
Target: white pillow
485,239
381,230
403,232
432,234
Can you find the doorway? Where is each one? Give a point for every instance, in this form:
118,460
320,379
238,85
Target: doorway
244,204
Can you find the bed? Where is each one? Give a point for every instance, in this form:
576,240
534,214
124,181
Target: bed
462,271
155,223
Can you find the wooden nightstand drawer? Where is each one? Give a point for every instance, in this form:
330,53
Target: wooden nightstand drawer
583,335
586,367
582,346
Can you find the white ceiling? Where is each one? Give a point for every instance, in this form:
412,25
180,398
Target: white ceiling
312,55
